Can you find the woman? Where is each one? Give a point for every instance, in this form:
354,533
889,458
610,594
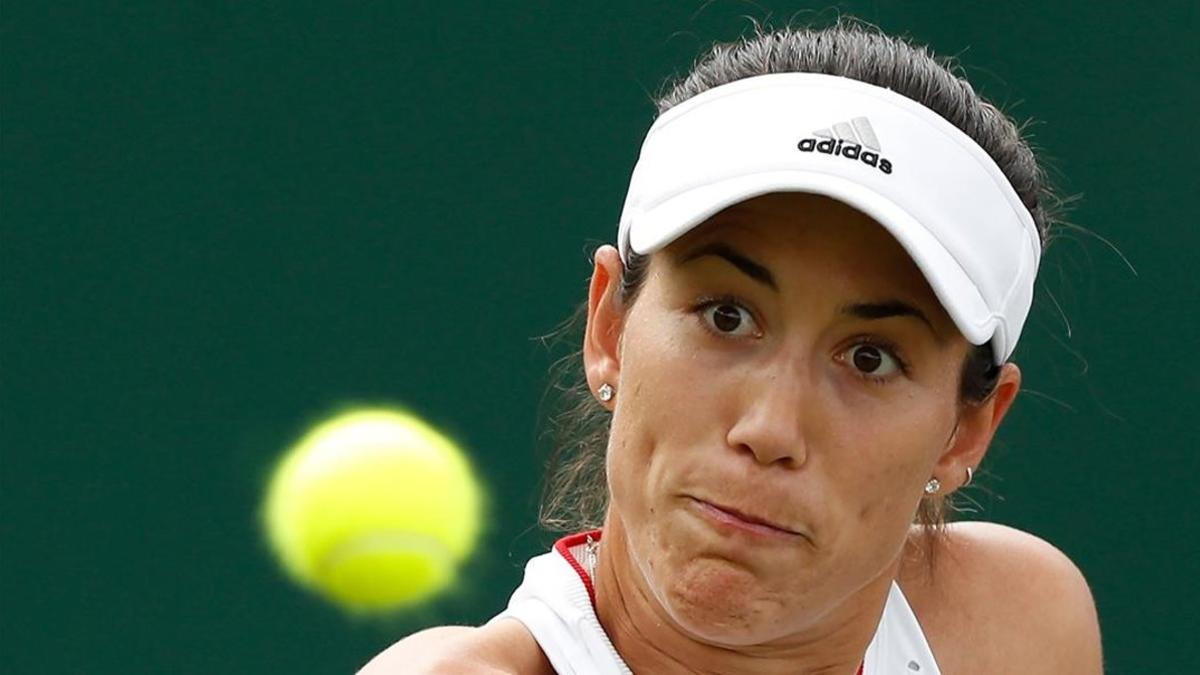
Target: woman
824,263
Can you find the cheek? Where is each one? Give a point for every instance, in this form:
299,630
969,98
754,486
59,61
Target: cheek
666,418
895,460
658,388
889,497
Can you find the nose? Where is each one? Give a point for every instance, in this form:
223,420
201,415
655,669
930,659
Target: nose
770,426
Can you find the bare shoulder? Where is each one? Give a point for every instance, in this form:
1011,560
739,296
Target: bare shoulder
997,599
498,648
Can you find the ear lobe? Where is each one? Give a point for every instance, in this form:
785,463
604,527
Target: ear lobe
977,426
605,320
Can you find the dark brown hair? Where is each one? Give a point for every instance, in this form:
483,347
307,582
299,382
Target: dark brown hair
575,494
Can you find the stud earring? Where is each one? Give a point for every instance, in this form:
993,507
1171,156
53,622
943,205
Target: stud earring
933,486
606,392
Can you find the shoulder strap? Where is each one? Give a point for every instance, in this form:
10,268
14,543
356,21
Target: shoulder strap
899,645
555,603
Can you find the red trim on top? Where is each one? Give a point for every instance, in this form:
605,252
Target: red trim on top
562,546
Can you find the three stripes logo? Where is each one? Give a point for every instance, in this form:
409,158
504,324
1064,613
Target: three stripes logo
854,139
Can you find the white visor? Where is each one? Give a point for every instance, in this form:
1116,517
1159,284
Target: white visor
930,185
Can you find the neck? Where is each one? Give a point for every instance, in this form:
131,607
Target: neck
650,641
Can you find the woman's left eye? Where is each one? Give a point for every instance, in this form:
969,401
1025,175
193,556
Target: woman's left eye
873,361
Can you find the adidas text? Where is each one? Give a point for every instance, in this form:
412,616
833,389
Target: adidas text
829,146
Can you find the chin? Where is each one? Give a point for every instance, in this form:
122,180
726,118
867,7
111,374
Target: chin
718,602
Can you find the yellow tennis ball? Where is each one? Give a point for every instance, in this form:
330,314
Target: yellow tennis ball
374,509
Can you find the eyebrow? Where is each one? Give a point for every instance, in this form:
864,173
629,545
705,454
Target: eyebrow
886,309
735,258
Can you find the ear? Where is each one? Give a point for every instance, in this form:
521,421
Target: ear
605,321
977,425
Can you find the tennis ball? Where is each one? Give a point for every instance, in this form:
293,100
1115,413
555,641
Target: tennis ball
373,509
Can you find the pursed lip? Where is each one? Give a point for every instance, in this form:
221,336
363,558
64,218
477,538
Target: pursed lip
748,518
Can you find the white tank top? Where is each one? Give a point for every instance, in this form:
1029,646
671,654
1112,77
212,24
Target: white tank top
556,603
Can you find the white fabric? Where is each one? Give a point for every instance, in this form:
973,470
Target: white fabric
899,645
553,604
939,194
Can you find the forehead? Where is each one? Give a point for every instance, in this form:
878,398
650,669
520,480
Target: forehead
801,234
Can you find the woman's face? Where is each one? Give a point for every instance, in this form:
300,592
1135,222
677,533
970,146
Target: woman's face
788,361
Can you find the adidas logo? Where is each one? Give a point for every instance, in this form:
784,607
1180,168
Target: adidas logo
855,139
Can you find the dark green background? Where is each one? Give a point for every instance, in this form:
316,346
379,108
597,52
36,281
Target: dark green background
223,220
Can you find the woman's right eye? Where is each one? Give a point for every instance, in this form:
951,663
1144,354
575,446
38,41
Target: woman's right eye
728,318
